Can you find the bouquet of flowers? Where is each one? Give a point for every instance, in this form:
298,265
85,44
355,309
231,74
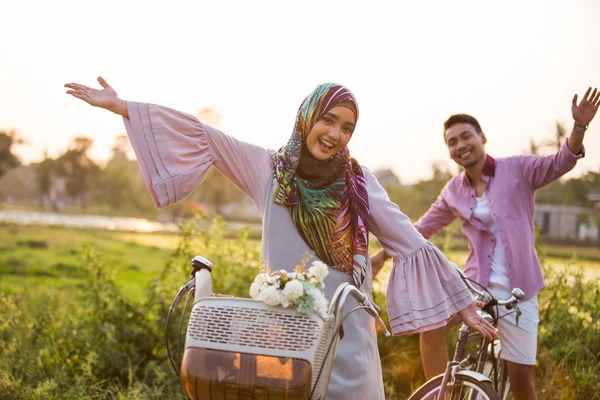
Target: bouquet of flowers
303,289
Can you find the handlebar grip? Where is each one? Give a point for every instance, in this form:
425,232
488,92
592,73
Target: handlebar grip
375,312
383,327
377,308
199,263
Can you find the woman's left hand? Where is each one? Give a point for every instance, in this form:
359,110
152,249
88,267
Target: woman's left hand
475,321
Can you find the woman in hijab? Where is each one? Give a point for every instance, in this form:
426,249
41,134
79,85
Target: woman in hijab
313,198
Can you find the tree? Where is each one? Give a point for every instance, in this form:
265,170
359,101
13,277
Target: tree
573,192
560,134
78,169
217,191
8,160
120,185
45,171
534,148
415,200
121,150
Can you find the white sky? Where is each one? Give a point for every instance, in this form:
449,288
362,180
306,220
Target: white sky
514,65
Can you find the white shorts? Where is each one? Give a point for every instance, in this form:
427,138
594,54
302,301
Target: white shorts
519,343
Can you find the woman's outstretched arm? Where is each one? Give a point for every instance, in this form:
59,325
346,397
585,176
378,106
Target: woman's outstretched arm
175,150
424,290
106,97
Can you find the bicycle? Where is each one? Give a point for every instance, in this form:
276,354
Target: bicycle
482,375
238,348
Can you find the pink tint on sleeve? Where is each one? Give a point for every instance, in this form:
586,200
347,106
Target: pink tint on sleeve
423,290
540,171
438,216
175,152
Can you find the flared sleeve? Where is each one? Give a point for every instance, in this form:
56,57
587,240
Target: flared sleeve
423,290
175,151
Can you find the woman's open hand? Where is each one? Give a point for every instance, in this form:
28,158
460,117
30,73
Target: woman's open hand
106,97
475,321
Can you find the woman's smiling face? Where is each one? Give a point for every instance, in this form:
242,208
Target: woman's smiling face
331,133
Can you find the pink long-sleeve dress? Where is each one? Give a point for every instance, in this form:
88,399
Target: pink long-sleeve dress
175,152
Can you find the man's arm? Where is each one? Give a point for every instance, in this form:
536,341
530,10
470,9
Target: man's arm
438,216
583,114
540,171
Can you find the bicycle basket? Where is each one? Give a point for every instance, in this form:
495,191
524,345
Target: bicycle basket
240,348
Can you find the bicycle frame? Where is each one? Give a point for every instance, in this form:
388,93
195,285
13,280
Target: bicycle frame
460,362
458,365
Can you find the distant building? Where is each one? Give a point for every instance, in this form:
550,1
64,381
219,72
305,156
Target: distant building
566,222
386,177
241,210
594,196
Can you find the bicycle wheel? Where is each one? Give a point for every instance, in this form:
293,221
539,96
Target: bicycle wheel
464,387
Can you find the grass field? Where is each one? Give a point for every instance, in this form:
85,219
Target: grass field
76,338
32,256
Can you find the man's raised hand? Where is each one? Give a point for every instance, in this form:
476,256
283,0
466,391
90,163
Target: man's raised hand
584,112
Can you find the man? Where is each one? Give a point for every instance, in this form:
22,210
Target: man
495,200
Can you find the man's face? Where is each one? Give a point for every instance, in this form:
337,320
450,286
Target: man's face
465,144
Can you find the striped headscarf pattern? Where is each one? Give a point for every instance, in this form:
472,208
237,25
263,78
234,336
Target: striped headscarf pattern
328,199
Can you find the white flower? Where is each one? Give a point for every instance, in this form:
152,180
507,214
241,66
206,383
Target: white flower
270,296
260,278
296,275
321,302
293,289
319,270
271,280
266,288
255,289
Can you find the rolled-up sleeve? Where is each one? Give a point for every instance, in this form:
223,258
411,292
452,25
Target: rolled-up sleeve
175,152
540,171
438,216
423,290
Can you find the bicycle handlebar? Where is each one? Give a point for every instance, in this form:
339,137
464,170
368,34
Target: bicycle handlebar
365,301
336,305
516,294
183,290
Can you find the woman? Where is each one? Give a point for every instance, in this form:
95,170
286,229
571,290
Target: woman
313,199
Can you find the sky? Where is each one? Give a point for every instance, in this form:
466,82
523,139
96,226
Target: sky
514,65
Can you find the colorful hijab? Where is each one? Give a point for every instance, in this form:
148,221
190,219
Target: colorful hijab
327,199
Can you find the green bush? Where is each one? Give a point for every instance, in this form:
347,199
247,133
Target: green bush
96,343
93,340
570,328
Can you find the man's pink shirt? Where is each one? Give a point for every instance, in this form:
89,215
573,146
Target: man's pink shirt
510,190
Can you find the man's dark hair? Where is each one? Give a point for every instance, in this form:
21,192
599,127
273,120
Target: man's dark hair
461,119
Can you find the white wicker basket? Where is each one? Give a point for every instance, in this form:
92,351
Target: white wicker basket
229,327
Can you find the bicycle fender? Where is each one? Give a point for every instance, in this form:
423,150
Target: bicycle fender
475,375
